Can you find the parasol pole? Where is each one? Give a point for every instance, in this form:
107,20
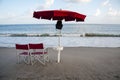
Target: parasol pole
58,56
59,38
59,46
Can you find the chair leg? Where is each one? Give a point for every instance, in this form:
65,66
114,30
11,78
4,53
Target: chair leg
32,59
26,59
42,59
46,58
18,59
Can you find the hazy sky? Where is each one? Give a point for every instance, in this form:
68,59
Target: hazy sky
97,11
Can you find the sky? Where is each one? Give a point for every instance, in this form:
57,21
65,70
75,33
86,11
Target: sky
97,11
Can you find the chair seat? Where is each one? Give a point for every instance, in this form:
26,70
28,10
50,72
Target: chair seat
37,53
24,53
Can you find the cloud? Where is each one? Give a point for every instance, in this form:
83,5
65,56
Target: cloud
110,10
113,12
76,1
13,18
25,17
106,3
98,12
7,15
48,3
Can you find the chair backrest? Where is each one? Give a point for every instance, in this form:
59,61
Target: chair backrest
36,46
22,46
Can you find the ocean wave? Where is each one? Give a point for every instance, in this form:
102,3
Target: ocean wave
56,35
101,35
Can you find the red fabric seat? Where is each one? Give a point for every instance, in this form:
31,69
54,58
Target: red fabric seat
39,53
24,53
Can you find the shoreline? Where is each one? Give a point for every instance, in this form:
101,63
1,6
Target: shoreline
64,41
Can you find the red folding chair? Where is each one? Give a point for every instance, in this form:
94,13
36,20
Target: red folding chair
38,52
22,51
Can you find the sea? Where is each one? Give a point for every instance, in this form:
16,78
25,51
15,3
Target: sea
72,35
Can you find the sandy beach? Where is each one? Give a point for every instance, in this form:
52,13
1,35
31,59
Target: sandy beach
77,63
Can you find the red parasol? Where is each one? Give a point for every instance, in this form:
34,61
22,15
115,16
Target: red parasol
59,15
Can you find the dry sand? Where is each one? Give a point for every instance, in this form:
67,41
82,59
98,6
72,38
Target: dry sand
77,63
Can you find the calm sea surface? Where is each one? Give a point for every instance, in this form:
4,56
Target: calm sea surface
67,28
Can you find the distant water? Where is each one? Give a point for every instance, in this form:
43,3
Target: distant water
65,41
67,28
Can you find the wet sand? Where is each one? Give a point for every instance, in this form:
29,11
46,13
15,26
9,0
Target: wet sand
77,63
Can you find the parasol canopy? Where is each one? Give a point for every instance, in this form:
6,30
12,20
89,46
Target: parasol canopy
59,15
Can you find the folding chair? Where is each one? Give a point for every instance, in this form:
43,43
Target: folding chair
38,52
22,51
